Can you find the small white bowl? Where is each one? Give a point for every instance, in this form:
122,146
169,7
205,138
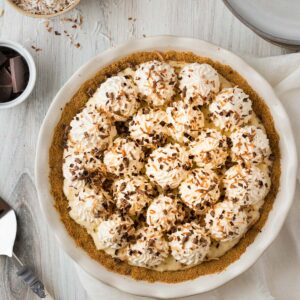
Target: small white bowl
32,73
276,216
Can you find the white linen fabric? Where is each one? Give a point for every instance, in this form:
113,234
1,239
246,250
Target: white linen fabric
276,275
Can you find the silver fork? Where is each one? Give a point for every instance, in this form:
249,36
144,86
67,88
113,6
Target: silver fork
8,231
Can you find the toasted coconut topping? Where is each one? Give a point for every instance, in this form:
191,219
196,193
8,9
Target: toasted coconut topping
47,7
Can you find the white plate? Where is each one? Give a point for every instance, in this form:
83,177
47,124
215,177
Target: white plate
276,216
274,20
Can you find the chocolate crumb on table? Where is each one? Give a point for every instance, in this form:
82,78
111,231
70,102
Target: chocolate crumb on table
36,49
77,21
68,27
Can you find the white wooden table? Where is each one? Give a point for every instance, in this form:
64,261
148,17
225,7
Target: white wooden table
106,23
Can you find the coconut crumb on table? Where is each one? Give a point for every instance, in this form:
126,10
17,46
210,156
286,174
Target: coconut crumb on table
44,7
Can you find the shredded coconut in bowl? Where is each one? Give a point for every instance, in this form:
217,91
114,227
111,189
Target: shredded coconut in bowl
44,7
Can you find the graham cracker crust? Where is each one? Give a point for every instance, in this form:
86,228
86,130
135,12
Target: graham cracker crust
80,235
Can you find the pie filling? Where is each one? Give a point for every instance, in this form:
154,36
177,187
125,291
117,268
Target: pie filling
167,165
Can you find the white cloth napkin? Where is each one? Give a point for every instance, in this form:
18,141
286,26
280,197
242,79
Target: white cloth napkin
276,275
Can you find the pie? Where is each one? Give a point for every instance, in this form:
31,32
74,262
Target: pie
164,166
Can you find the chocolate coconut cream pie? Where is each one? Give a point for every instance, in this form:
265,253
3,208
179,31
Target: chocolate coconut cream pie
165,166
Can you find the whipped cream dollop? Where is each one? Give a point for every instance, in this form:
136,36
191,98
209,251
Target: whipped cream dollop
79,167
226,221
124,157
117,96
231,108
167,166
200,190
246,185
148,127
250,144
184,121
209,149
198,83
189,244
113,233
164,212
149,250
91,129
89,207
133,193
156,81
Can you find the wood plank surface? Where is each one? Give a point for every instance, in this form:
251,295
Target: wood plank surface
106,23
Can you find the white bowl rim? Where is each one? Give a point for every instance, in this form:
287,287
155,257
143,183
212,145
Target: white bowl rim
276,217
32,73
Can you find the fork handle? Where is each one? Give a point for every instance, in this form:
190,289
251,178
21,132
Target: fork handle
27,275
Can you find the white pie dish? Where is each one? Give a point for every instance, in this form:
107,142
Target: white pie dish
276,217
